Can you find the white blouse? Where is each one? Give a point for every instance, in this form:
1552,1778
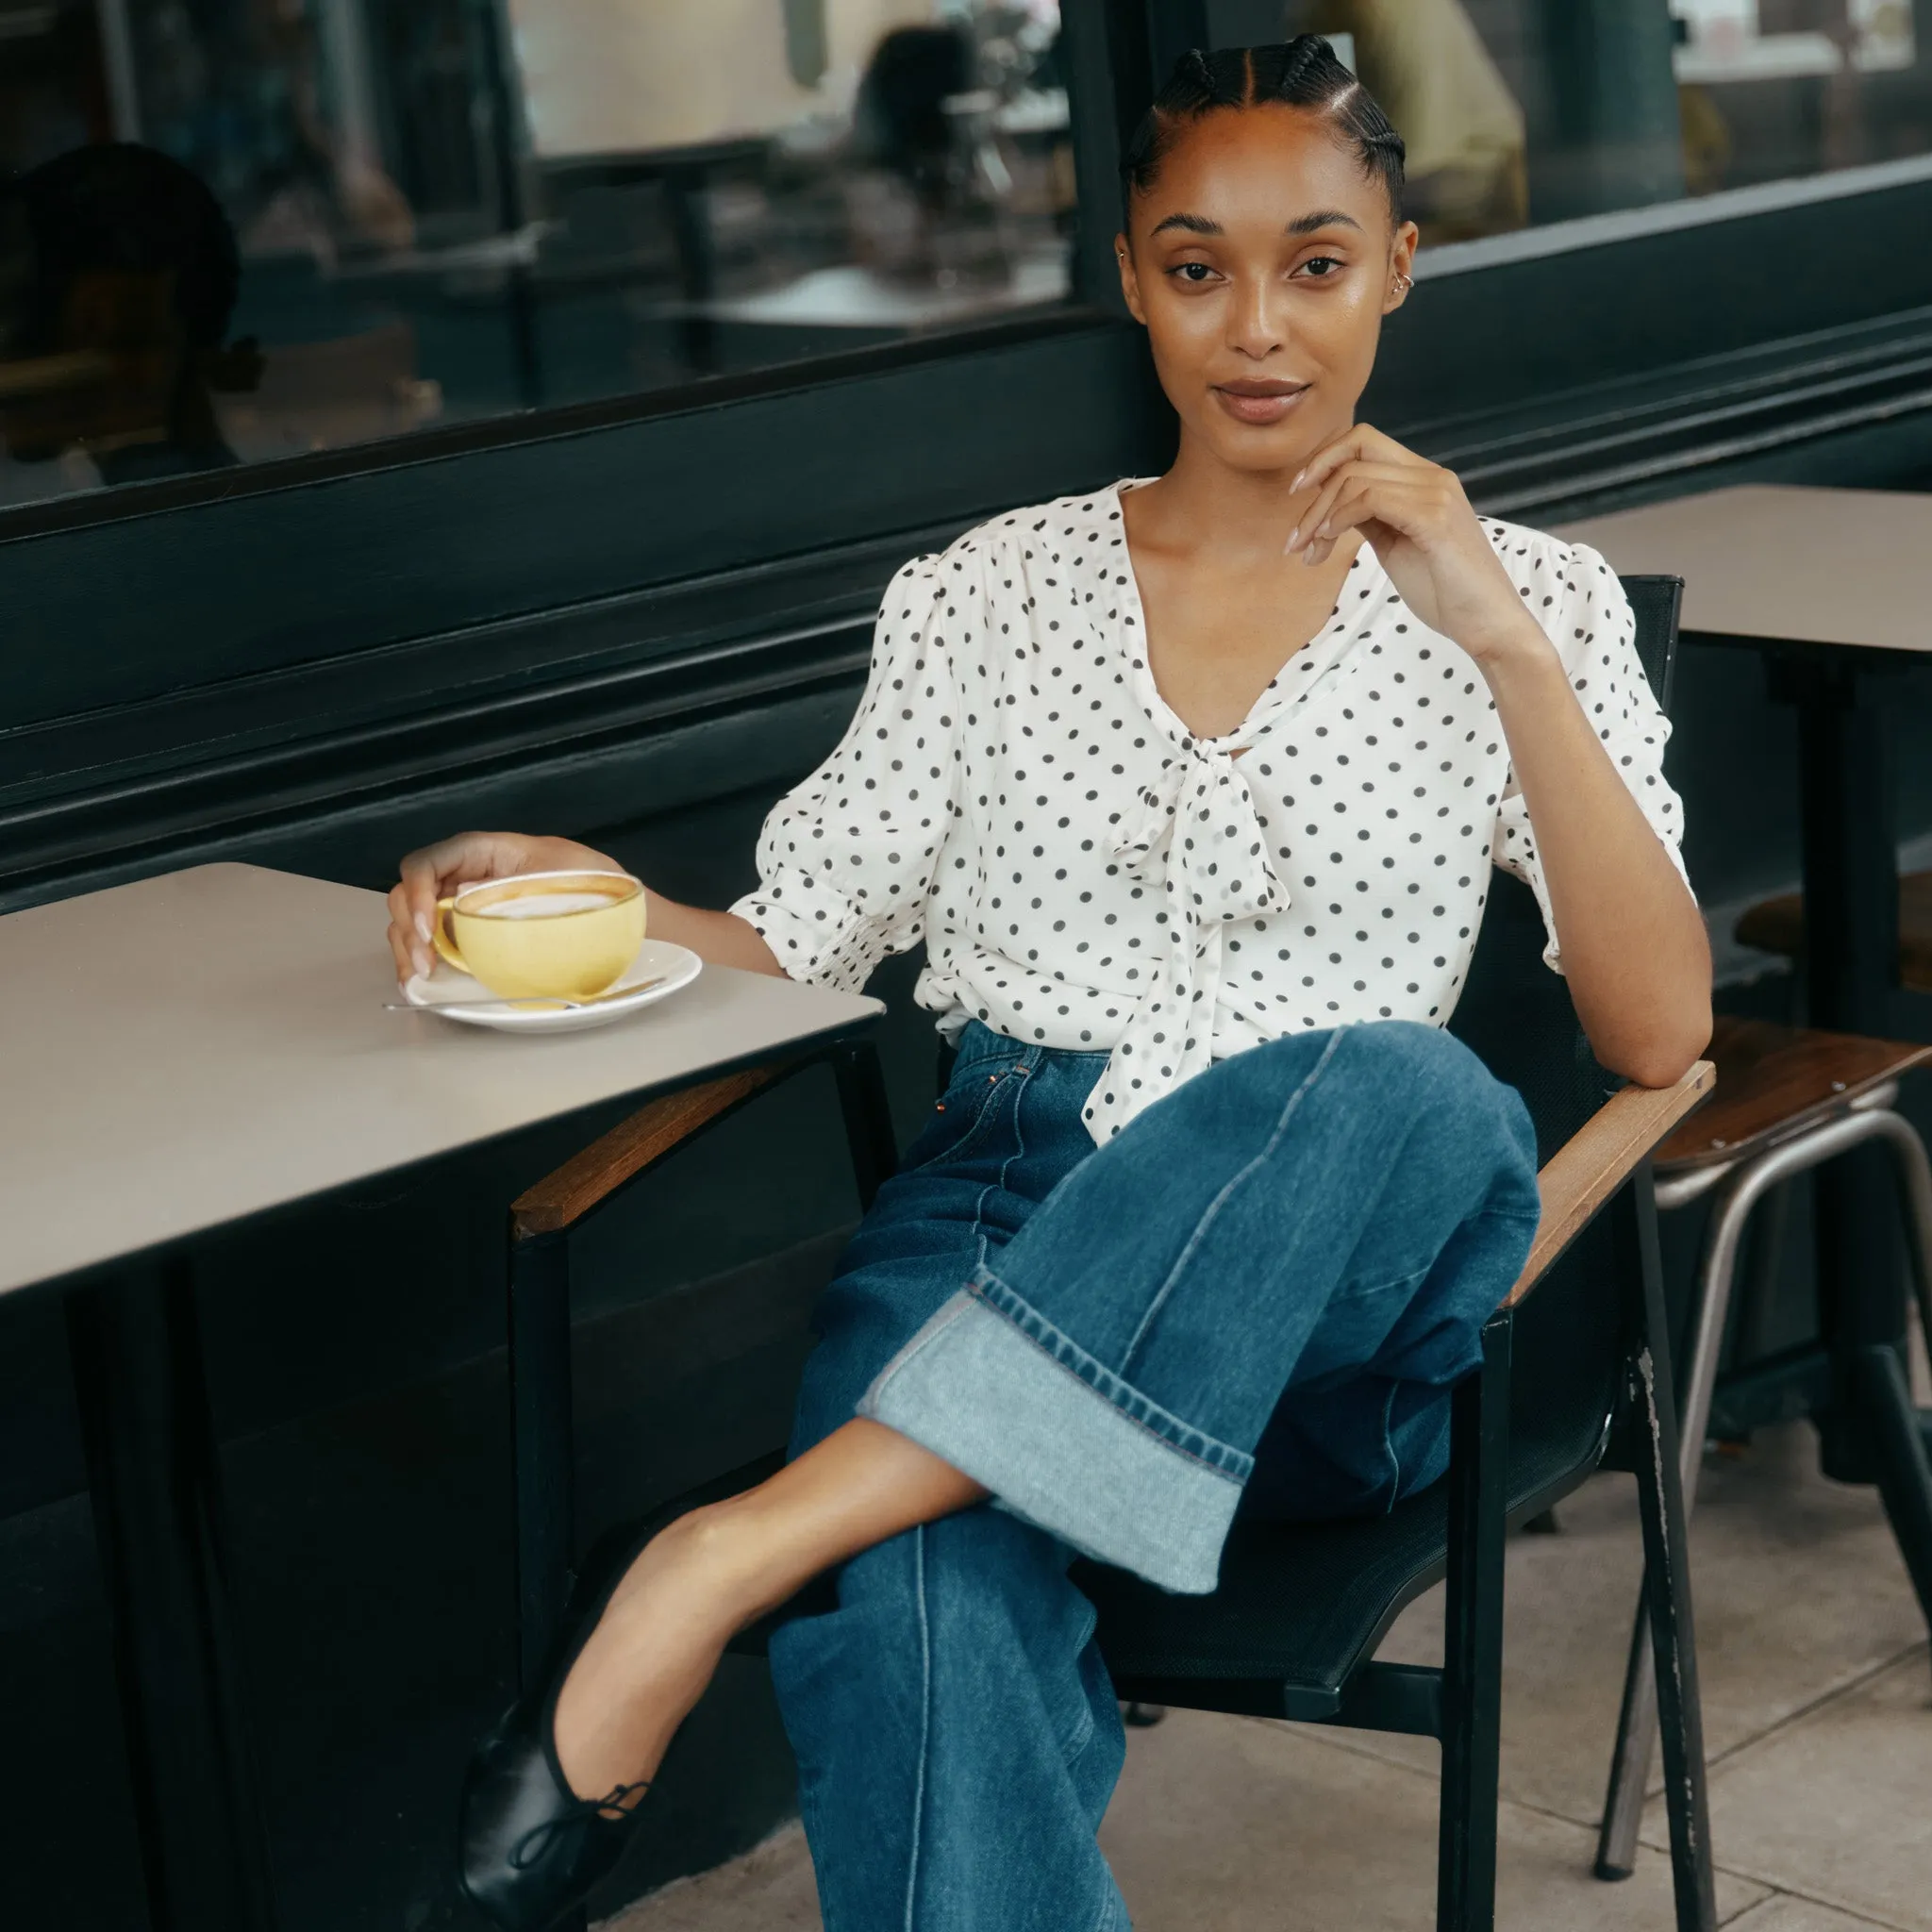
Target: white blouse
1086,873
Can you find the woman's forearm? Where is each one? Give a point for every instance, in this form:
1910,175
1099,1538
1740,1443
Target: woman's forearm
1633,945
722,937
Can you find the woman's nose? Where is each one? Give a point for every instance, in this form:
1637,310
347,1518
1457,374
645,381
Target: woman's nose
1257,322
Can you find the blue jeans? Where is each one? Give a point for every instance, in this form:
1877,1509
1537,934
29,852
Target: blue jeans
1256,1297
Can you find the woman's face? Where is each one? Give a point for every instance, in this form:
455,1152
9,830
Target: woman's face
1262,262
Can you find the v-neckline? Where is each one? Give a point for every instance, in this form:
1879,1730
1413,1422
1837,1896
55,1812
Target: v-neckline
1319,653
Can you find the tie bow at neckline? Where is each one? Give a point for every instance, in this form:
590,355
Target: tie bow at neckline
1198,840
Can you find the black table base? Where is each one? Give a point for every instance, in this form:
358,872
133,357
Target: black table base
1853,1384
156,1499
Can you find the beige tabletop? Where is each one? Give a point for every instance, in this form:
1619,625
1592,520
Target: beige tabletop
184,1051
1799,565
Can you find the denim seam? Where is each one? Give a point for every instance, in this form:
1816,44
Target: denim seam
1352,1294
987,1192
1086,1730
1226,1193
924,1730
1191,1444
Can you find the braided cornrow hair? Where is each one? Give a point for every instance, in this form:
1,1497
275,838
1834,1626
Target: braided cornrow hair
1301,72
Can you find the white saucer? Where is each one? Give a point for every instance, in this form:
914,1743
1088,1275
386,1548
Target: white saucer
454,994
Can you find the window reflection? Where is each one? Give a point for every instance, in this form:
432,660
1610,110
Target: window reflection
1525,111
237,229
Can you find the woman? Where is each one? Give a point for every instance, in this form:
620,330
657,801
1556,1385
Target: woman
1190,788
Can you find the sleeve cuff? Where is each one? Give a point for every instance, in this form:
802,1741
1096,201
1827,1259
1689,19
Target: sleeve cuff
813,937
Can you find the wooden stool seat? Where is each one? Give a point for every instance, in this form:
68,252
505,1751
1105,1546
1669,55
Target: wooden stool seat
1778,925
1776,1081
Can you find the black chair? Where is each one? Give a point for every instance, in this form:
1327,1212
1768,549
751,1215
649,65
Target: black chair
1579,1368
1575,1372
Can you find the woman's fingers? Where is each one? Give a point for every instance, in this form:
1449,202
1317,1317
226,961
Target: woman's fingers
1316,515
407,937
1401,505
1362,444
1318,520
426,876
401,951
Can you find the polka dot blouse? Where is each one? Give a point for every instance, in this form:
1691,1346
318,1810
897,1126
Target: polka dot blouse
1086,873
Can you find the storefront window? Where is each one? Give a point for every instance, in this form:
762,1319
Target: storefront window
1520,112
232,230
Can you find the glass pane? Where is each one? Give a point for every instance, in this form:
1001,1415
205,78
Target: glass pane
1518,113
237,229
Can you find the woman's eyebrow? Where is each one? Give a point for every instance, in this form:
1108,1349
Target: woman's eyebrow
1302,224
1194,225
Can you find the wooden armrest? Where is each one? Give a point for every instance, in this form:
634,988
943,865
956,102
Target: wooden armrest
1596,1160
564,1197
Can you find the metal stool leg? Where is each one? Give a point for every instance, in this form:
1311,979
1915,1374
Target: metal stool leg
1636,1727
1915,1183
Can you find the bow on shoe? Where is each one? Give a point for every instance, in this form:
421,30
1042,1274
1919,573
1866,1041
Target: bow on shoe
529,1849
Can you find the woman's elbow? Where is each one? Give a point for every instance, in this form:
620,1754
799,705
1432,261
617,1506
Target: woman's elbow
1667,1052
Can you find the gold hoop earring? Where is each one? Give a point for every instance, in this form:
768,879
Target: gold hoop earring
1403,284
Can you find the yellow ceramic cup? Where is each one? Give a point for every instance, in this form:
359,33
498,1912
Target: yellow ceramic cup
546,935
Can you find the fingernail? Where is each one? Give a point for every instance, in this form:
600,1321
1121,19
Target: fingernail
1292,536
1323,531
423,927
1297,483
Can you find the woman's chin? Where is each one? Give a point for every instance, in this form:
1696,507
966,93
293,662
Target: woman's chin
1259,449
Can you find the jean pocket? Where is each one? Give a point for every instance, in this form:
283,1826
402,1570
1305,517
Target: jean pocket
965,1112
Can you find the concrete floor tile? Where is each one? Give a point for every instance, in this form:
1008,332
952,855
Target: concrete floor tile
1232,1824
1836,1805
1798,1586
769,1889
1227,1824
1783,1913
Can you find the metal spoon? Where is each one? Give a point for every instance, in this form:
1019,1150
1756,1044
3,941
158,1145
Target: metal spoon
534,999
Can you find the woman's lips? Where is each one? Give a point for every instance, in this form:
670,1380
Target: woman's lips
1259,402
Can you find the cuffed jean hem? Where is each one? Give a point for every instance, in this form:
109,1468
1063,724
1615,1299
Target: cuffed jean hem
991,1387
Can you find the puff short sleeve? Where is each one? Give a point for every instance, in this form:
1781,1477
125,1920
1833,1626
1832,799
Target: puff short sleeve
846,860
1578,599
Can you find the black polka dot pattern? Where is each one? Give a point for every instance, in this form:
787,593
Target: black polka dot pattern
1087,874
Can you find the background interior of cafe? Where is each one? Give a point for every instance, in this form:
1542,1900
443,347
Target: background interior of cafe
419,414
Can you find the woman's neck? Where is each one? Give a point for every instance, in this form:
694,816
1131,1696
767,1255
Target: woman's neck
1204,505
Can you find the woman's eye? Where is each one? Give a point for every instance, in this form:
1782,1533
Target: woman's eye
1320,267
1195,271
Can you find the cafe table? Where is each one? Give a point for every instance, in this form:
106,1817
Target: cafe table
208,1048
1832,588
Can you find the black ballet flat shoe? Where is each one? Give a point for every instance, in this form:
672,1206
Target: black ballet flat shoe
529,1849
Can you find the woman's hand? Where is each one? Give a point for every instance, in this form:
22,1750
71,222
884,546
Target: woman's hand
1416,518
438,869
